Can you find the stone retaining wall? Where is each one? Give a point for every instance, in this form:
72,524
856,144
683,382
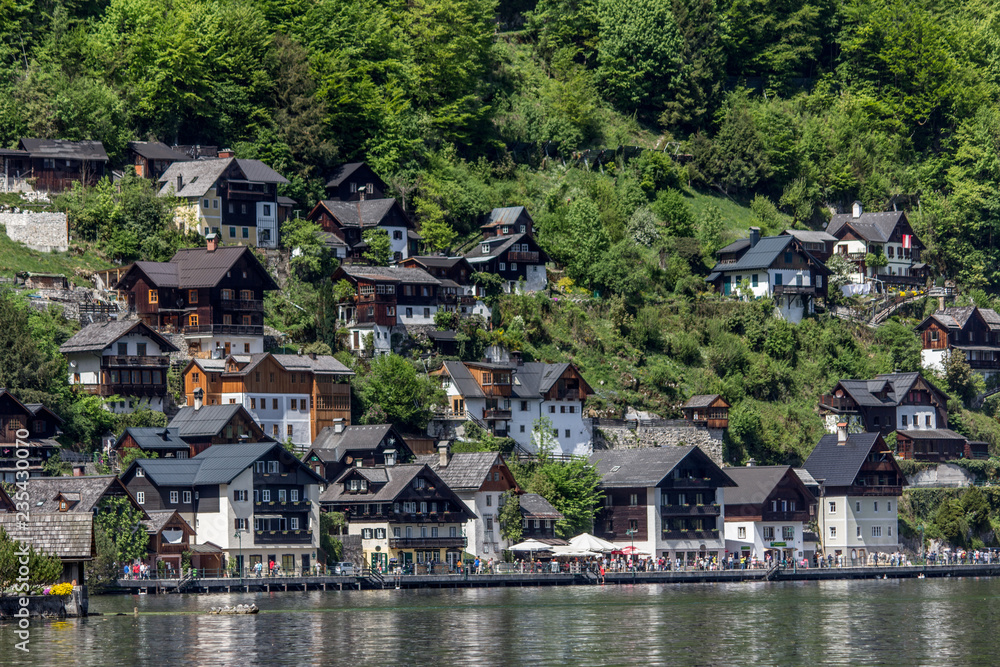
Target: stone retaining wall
626,435
39,231
53,606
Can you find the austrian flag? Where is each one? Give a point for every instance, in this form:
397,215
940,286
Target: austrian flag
907,241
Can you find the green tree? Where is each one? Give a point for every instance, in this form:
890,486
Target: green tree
42,568
331,524
132,454
573,488
511,521
311,259
699,82
962,381
392,390
379,247
640,52
902,344
122,523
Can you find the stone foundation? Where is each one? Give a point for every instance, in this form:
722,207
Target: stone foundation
49,606
39,231
625,434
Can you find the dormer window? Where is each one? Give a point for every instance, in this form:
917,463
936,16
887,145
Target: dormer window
486,248
419,483
390,458
63,505
139,472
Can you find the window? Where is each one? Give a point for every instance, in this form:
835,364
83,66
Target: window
769,532
753,280
562,409
566,433
485,248
833,531
777,279
154,296
246,232
423,507
833,507
265,496
502,266
192,296
489,500
513,266
927,421
555,433
427,312
140,497
205,203
192,320
876,531
524,406
288,430
232,232
633,499
174,496
859,532
875,506
888,506
295,402
889,528
293,523
267,209
240,495
243,209
246,349
905,421
272,466
294,495
788,533
857,506
523,229
259,467
741,533
187,497
274,401
522,428
784,505
274,429
552,409
397,235
367,534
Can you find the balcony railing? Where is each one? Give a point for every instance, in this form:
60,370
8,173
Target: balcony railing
263,507
900,280
984,363
797,515
282,536
242,304
876,491
838,403
690,510
115,361
125,389
691,483
529,257
691,534
569,395
496,414
173,548
427,542
781,290
234,329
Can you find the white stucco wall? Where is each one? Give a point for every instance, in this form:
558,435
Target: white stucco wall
848,517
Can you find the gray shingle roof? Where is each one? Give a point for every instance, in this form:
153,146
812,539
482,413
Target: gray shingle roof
464,382
197,267
957,318
332,446
207,421
862,391
837,464
437,261
172,472
87,491
536,507
505,216
497,246
764,254
647,467
151,438
63,149
159,518
68,535
363,213
930,434
398,478
700,401
877,226
162,274
342,172
219,464
258,172
394,274
154,150
753,483
465,471
198,176
97,336
809,236
323,364
736,246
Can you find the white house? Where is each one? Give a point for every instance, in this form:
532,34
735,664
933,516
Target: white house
123,358
860,486
887,233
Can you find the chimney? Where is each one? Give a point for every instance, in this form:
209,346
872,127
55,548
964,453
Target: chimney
312,355
751,463
856,210
338,425
754,236
199,397
842,433
444,453
213,242
180,183
227,152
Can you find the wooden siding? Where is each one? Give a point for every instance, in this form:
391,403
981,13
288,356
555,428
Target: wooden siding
927,338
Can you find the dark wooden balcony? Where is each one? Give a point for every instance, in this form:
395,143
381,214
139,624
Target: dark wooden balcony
263,507
876,491
690,483
132,361
980,364
173,548
569,395
421,517
242,304
496,413
234,329
125,389
691,534
427,542
467,300
797,515
527,257
282,536
690,510
838,403
783,290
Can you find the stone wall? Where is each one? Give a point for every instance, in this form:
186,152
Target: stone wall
39,231
622,434
53,606
943,474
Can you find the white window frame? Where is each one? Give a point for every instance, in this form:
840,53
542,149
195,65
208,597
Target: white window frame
174,497
140,497
187,497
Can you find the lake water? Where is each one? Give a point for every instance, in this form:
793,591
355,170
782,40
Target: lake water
904,622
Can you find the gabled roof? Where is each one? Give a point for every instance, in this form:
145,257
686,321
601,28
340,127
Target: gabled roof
99,335
505,216
29,408
155,150
898,384
875,227
736,246
387,274
436,261
206,421
647,467
498,245
68,535
45,491
534,378
364,213
701,401
332,446
765,253
809,236
463,380
398,478
534,506
343,172
158,520
65,150
930,434
836,464
957,318
199,176
755,483
153,438
191,268
322,364
465,471
216,465
37,409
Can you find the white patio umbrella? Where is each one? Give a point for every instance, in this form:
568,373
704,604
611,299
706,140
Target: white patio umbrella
531,545
569,551
588,542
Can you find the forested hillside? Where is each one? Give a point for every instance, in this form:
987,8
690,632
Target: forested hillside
753,112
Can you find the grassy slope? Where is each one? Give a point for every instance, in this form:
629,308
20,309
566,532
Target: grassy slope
16,257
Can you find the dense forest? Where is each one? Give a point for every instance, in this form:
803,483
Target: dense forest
749,112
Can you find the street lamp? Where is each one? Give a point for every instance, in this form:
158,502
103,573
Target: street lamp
631,533
239,536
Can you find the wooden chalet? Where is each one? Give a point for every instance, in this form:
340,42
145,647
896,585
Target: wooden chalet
971,331
767,512
69,536
82,495
161,441
538,517
938,445
54,165
26,426
169,537
888,402
348,220
202,426
213,296
344,445
711,409
456,291
516,258
355,181
151,159
508,221
860,233
818,244
389,295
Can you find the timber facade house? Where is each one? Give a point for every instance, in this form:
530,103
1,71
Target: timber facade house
886,233
53,165
971,331
26,426
151,159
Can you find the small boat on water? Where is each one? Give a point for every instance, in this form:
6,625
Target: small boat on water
238,609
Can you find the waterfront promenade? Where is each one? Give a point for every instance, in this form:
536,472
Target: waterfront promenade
517,579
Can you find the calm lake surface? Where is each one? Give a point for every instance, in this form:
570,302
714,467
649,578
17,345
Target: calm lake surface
905,622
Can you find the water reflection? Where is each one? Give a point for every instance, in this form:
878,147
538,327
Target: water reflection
856,623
